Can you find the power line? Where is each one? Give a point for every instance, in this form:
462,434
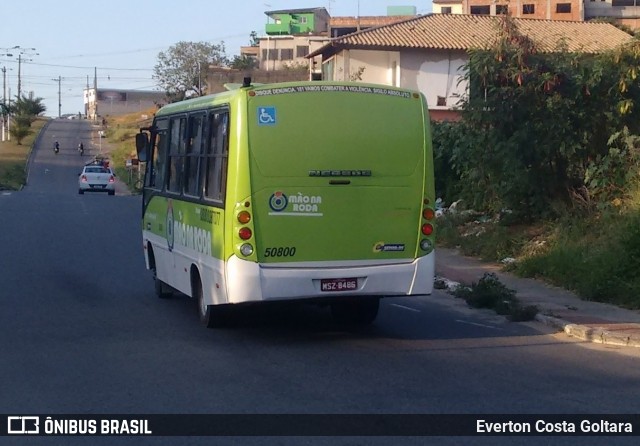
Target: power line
90,68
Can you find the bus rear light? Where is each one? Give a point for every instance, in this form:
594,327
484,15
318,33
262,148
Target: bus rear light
426,245
427,229
244,217
245,233
428,214
246,249
425,201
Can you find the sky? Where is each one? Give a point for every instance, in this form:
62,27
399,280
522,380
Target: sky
62,43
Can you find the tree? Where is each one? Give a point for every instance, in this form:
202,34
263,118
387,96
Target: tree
243,63
24,111
543,132
181,70
28,107
19,130
254,40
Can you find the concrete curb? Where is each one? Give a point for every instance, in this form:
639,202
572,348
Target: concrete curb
624,335
597,334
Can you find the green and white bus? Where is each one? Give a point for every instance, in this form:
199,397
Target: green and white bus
318,191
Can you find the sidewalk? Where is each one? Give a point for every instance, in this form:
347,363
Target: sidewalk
590,321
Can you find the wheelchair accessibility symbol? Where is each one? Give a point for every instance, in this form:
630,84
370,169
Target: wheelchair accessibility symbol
266,115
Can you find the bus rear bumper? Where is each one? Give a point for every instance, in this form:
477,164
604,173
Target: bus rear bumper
250,282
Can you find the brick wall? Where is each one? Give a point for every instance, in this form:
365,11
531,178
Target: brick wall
538,9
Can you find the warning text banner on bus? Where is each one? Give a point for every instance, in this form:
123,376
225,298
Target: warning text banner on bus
245,425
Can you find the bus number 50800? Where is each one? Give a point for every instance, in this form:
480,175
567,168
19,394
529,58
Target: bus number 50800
280,252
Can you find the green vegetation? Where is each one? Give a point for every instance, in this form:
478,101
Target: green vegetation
546,162
14,156
490,293
24,111
180,69
120,133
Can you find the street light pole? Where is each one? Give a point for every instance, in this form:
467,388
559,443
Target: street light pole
19,83
27,52
4,99
5,114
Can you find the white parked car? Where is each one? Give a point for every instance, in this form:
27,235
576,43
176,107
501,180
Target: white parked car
96,178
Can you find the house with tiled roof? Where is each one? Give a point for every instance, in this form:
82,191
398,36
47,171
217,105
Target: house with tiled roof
291,34
427,53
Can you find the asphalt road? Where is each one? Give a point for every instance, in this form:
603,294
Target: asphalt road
82,332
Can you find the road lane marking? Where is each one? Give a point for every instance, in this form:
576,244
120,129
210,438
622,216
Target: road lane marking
478,325
406,308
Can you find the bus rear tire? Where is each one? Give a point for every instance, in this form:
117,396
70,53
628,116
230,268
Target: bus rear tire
162,289
356,312
211,316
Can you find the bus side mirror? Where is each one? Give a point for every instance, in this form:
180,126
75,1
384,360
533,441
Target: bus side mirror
142,146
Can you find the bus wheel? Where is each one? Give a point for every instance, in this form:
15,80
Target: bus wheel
359,312
162,289
210,315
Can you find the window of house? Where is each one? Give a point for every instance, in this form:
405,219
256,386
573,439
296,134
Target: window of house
502,9
302,50
625,2
286,54
445,10
481,10
302,20
328,70
529,9
563,7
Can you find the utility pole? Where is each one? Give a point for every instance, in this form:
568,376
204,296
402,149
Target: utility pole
19,64
9,118
59,80
95,92
4,100
27,52
5,118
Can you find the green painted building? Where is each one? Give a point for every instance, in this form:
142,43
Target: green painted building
297,21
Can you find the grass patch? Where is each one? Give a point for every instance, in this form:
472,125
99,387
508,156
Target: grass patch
490,293
480,236
121,131
600,261
597,257
13,158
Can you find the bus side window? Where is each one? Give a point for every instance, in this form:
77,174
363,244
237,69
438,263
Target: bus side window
215,176
158,161
193,150
177,149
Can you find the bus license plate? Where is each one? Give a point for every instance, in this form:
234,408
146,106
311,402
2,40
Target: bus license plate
338,284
